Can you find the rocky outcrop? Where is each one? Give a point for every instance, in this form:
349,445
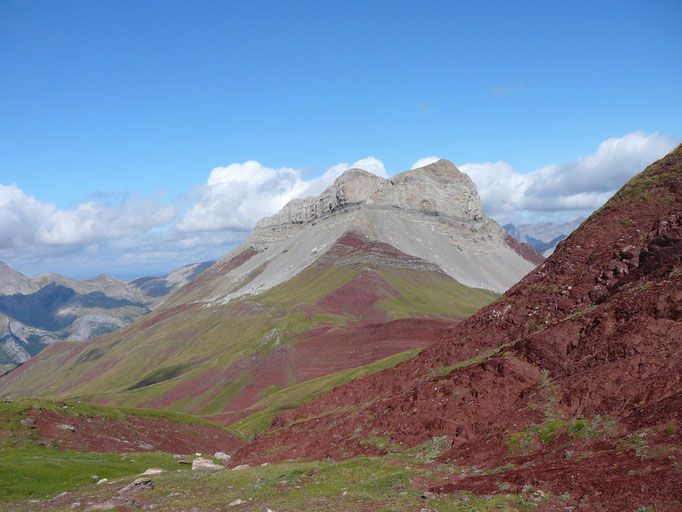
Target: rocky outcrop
437,189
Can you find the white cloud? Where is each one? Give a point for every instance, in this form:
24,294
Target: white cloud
28,221
568,189
424,161
237,196
371,164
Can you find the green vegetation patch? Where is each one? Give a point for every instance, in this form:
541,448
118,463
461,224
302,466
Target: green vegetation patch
359,484
159,375
430,293
43,472
311,285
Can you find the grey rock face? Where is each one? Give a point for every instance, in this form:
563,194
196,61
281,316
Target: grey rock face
439,189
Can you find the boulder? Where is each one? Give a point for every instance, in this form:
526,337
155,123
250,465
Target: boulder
200,463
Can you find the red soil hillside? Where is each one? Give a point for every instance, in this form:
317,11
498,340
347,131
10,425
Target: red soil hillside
93,428
571,383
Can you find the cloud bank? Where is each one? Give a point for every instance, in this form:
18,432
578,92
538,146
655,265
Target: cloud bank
564,191
146,236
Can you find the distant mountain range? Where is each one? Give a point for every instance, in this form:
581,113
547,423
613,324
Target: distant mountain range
35,312
330,288
543,236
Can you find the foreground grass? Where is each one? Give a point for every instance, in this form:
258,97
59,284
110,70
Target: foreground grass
40,472
359,484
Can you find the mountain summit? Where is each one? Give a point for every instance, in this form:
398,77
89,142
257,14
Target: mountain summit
432,212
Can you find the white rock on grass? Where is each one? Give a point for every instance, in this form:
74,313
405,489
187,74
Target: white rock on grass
240,467
237,502
201,463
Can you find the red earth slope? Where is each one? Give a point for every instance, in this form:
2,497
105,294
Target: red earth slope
82,427
571,383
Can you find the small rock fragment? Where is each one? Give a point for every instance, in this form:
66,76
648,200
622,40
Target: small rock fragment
428,495
222,456
237,502
240,467
28,422
67,427
154,471
102,481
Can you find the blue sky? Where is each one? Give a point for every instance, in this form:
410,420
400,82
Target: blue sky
119,108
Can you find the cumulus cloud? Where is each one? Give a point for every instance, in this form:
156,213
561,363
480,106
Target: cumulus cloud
237,196
424,161
28,221
568,189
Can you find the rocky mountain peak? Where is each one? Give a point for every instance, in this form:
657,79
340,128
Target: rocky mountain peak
436,189
433,213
